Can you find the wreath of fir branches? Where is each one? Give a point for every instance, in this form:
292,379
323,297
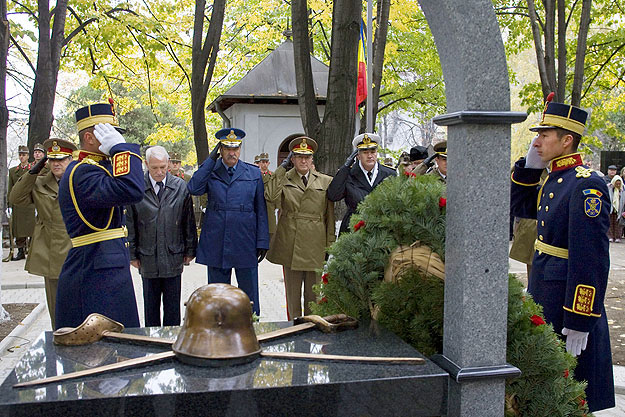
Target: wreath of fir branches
400,211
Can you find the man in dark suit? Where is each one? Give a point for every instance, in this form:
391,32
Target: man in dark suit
162,238
354,181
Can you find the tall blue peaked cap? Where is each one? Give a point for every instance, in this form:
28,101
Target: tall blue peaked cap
230,137
93,114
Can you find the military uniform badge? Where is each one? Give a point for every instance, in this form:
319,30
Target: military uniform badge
121,164
592,206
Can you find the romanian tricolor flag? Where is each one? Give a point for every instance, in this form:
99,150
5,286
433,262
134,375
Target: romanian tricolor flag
361,87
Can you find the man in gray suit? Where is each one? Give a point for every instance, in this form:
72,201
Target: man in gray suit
162,238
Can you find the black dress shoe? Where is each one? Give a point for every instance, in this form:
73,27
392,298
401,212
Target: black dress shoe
20,255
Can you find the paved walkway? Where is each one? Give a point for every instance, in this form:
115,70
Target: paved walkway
20,287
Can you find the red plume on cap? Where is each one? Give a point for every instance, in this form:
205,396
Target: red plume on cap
547,101
112,102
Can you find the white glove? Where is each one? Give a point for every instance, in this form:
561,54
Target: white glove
532,160
575,341
108,137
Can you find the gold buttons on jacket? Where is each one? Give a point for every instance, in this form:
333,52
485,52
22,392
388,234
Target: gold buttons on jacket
542,222
540,237
550,195
546,208
539,207
559,180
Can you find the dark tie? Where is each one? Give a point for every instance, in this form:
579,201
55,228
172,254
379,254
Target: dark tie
160,189
231,171
305,180
370,175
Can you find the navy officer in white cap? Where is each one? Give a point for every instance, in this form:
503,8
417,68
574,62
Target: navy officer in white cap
359,175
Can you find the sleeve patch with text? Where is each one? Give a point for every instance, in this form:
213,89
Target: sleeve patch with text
121,164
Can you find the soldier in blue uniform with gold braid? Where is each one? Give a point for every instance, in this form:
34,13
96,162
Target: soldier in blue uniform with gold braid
92,193
571,262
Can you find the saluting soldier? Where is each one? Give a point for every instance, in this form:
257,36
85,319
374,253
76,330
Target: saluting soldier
92,194
570,267
306,225
22,218
355,180
176,169
263,164
234,233
50,241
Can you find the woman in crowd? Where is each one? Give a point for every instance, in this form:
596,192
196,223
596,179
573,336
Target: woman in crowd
616,212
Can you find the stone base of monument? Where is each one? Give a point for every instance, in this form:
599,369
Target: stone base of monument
261,388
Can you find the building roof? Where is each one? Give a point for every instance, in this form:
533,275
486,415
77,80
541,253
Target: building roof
273,81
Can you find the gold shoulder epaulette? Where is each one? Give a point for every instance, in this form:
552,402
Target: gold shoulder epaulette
583,172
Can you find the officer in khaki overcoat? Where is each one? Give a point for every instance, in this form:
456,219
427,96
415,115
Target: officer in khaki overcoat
50,242
22,218
306,224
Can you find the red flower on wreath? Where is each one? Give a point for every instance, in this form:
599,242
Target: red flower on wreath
582,402
410,174
324,278
566,373
537,320
442,202
359,225
323,300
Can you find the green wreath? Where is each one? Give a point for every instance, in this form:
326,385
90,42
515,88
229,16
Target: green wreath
399,212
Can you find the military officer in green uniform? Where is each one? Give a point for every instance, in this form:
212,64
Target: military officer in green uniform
39,152
22,218
263,164
50,242
176,170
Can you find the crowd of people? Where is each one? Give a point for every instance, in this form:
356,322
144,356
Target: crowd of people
93,211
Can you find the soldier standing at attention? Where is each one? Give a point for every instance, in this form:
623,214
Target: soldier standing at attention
354,181
263,164
234,233
39,151
570,267
175,162
22,218
50,241
306,226
92,194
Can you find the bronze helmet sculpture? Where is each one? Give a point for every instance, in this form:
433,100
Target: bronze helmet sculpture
217,328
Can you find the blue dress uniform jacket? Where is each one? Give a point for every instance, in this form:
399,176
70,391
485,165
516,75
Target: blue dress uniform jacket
571,263
235,222
352,185
95,277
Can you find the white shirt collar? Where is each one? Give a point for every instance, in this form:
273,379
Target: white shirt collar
154,182
373,177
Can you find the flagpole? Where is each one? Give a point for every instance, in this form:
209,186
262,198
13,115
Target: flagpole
369,66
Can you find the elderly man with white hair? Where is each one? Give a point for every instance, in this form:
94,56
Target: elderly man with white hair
162,238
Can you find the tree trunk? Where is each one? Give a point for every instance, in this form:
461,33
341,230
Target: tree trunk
4,121
335,133
580,54
379,45
538,46
48,62
550,45
203,58
562,64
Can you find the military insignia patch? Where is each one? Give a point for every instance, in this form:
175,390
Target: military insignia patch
583,172
584,299
592,206
592,191
121,164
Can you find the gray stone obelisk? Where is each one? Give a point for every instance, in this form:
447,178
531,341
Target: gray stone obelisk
476,260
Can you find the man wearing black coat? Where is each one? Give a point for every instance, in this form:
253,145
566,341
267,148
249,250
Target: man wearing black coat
162,238
355,180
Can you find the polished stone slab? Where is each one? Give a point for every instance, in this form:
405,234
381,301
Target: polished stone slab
261,388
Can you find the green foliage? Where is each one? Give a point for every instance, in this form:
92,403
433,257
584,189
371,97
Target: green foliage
404,209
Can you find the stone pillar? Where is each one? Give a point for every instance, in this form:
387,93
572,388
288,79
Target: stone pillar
478,185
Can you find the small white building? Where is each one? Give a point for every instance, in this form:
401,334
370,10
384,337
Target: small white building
264,104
